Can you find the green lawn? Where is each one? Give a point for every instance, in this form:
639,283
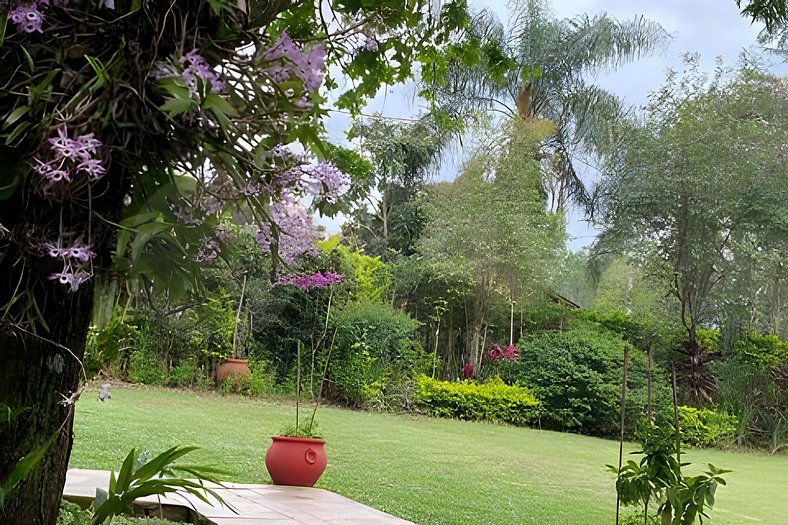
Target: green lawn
426,470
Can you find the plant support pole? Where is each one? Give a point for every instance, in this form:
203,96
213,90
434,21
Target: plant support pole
238,318
621,437
298,381
676,415
648,405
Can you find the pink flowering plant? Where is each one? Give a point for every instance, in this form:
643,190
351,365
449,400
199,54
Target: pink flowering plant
500,352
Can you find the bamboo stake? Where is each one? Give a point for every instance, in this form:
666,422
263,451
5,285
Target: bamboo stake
649,411
621,438
298,381
676,415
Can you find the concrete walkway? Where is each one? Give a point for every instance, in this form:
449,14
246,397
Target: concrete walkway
254,504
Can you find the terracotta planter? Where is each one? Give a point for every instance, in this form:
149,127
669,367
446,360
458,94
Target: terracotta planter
232,367
295,461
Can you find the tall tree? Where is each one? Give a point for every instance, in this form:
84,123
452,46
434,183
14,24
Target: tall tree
492,220
404,156
126,127
541,66
705,174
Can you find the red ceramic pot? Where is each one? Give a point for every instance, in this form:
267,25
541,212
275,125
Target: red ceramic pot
232,367
295,461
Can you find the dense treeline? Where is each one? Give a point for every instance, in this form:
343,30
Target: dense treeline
468,279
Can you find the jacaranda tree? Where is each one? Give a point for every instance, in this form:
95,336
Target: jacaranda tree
126,128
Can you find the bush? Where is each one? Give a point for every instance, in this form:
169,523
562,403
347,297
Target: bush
491,401
577,375
263,379
766,352
145,368
373,347
182,375
703,427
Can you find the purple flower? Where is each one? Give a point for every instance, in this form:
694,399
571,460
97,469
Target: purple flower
68,157
27,19
92,167
296,231
325,179
290,62
307,282
73,278
371,45
195,66
73,257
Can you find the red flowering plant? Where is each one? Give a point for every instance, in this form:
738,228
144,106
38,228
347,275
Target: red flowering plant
500,352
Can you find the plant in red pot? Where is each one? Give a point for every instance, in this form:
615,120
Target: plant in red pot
298,456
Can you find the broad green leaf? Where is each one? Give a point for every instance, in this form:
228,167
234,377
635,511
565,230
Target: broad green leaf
176,106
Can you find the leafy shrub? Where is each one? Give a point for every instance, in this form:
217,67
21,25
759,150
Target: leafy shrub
490,401
263,379
754,396
182,375
766,352
144,367
236,384
105,346
577,375
703,427
373,347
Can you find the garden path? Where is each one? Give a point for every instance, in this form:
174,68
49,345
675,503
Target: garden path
254,504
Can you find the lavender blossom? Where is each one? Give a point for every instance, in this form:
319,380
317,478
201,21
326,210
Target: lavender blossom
307,282
324,179
67,158
195,66
296,231
290,62
28,19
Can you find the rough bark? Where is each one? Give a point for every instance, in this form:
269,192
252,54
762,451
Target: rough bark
36,376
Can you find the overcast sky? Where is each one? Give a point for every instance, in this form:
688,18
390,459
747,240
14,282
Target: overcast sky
712,28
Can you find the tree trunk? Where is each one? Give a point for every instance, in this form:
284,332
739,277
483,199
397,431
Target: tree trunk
36,377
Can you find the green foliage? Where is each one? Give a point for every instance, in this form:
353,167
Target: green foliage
105,346
145,368
658,478
493,400
214,325
577,374
183,374
302,431
709,339
705,427
73,514
263,379
373,347
765,352
707,225
142,476
371,276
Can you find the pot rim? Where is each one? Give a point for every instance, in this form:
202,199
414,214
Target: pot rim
235,360
293,439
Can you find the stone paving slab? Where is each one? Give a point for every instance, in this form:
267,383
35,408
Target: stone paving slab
253,504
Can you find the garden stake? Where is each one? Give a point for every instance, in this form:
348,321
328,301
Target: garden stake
621,439
648,382
676,414
298,380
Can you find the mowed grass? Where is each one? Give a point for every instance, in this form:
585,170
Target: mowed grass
430,471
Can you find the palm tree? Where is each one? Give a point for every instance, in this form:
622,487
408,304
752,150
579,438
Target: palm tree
543,67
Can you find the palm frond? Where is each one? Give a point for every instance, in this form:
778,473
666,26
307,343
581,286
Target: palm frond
601,42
